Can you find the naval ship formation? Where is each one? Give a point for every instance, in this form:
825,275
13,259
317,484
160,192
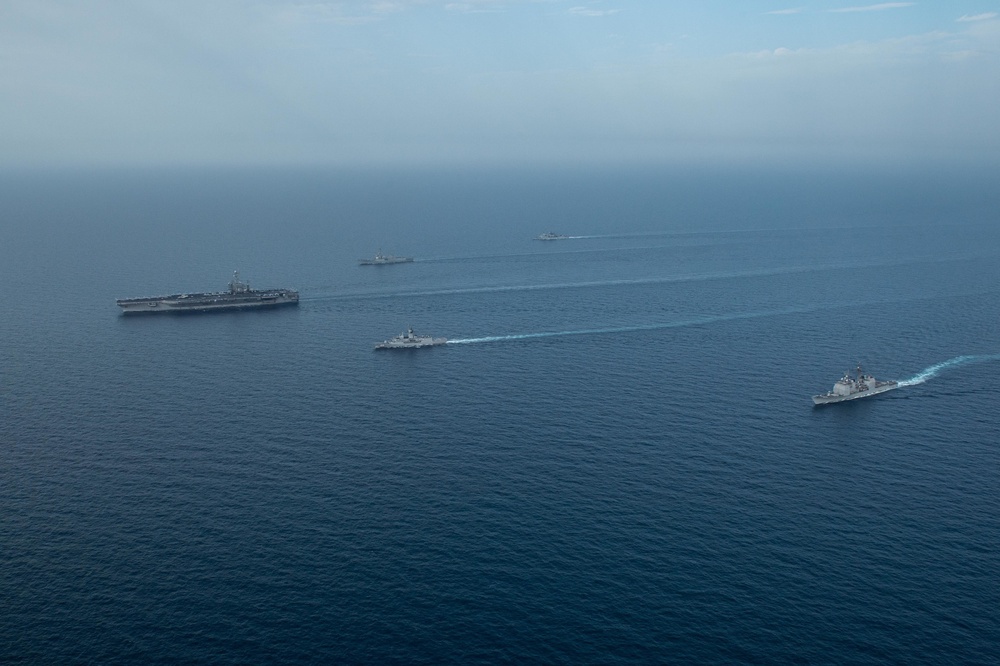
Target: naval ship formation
852,388
239,297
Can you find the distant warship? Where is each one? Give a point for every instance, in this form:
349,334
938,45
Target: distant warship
550,236
410,340
851,388
239,297
381,259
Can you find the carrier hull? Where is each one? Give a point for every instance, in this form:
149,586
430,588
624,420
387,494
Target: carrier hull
239,297
192,303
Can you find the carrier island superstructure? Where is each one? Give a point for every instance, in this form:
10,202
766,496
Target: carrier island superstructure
239,297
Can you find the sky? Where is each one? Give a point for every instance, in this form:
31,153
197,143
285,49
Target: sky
345,82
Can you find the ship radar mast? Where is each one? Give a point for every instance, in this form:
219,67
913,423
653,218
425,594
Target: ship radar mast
237,286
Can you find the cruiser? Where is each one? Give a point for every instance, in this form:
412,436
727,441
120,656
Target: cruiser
239,297
850,388
548,235
410,340
382,259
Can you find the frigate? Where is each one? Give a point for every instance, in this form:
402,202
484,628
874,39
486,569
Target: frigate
239,297
548,235
851,388
381,259
410,340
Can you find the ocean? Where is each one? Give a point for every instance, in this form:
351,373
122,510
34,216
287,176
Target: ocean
615,459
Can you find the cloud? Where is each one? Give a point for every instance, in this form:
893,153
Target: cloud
476,7
783,12
585,11
387,7
977,17
779,52
320,12
470,8
874,8
186,81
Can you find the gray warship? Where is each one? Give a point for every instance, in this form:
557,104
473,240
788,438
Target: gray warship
549,236
410,340
851,388
239,297
381,259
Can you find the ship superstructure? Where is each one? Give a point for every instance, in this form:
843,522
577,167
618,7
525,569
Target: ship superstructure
410,340
852,388
381,259
239,297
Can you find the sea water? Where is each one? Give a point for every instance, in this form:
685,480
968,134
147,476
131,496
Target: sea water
615,459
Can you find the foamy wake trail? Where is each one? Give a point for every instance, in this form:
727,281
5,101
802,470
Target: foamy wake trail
938,368
498,338
632,329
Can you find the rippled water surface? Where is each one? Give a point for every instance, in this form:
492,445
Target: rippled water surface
615,458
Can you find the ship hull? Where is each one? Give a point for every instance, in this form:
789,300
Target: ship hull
385,262
830,398
435,342
202,303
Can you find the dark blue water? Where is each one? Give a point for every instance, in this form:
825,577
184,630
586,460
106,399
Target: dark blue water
616,461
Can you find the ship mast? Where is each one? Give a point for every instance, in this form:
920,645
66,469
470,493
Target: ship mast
237,286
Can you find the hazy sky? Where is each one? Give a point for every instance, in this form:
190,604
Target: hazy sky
357,81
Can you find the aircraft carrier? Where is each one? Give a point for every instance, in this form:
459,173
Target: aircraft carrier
239,297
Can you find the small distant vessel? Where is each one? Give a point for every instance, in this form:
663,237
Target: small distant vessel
239,297
851,388
410,340
381,259
551,236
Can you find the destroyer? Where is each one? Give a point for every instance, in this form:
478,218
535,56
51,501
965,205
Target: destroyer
410,340
548,235
239,297
851,388
381,259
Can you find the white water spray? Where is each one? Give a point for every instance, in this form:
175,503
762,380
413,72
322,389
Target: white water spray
938,368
